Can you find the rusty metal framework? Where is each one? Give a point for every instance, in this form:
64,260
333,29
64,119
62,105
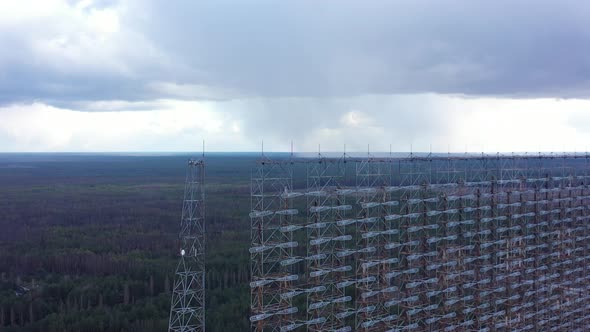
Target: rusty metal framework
446,243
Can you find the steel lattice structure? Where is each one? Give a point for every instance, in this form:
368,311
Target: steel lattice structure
187,308
328,249
272,251
446,243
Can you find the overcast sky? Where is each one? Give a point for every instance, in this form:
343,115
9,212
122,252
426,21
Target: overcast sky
147,75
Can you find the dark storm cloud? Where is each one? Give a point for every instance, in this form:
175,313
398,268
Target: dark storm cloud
228,49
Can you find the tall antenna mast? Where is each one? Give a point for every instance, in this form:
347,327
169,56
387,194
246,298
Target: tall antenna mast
187,307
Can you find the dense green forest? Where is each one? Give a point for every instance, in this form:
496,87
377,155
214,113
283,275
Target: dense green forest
88,242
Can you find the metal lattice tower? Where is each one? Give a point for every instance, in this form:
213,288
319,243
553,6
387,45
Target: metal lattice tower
328,272
272,250
187,308
373,204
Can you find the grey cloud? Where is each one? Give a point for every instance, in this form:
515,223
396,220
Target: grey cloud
397,120
348,48
234,49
